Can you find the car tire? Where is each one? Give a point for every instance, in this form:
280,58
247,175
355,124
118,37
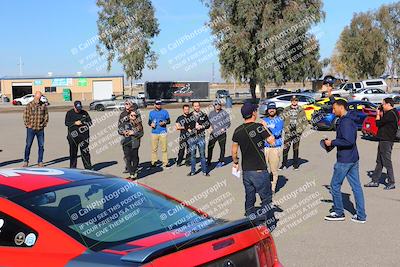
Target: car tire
99,108
334,123
18,103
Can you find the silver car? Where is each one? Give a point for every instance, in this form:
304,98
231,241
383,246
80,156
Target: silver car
116,102
374,95
284,101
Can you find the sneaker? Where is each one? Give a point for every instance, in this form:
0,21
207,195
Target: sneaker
295,168
334,217
153,165
133,176
190,174
166,166
206,174
220,164
389,187
372,184
283,167
25,164
357,220
40,165
187,163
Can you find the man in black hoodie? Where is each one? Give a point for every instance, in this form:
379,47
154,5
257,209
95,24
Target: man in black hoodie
347,164
78,122
387,128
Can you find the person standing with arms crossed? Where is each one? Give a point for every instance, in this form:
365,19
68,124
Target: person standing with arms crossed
387,129
295,123
182,125
158,121
274,124
220,122
78,122
36,118
250,137
347,165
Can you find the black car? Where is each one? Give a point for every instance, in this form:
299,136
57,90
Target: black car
276,92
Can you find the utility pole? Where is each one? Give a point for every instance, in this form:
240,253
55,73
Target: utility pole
20,64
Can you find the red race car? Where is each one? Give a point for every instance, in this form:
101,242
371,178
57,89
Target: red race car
64,217
369,128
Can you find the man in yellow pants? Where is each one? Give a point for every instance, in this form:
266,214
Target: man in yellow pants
158,121
274,124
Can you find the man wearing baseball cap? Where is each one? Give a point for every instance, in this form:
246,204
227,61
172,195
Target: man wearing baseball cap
295,122
274,124
158,121
78,122
250,137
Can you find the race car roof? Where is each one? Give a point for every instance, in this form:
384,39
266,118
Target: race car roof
19,180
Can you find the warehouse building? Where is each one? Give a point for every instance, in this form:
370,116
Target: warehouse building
63,88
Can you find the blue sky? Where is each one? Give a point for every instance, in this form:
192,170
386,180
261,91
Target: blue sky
44,32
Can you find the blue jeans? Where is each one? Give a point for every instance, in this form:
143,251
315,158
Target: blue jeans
194,143
257,182
30,135
351,171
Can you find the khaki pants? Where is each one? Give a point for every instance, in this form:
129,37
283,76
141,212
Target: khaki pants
155,140
273,157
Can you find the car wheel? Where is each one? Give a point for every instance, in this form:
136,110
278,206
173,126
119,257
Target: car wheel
334,123
99,108
18,103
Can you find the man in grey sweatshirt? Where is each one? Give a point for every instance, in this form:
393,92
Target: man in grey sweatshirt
220,122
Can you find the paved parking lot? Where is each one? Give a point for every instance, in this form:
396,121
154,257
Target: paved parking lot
303,238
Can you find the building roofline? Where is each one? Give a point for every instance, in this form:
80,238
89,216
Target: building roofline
59,77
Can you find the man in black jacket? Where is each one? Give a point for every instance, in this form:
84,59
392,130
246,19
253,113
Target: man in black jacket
198,124
78,122
387,128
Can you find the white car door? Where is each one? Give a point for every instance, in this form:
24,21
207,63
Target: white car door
27,99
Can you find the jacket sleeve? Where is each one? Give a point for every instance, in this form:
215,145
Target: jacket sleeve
348,139
88,120
68,121
121,125
46,117
150,118
27,115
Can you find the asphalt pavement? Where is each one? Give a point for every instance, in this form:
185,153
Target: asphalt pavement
302,236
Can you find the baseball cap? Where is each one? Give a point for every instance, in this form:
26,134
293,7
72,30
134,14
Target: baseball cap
78,105
248,109
271,105
329,79
158,102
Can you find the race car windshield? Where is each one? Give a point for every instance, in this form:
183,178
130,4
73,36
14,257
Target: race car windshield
103,213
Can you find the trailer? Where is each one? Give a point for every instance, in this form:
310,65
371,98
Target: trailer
180,91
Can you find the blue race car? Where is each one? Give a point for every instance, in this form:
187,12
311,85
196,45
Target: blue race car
324,119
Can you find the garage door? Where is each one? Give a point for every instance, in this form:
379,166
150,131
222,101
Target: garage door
21,89
102,90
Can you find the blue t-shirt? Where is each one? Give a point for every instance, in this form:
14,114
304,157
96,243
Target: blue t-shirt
275,125
156,116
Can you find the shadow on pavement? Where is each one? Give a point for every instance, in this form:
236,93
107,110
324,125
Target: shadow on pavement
382,180
227,160
10,162
282,180
103,165
55,161
301,162
347,204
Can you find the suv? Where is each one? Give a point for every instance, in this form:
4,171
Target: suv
346,89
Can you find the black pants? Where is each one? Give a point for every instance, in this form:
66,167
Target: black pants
211,144
131,157
384,159
83,144
295,139
183,146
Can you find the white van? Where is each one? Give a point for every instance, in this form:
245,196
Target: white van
346,89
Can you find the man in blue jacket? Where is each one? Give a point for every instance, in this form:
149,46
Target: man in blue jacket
347,164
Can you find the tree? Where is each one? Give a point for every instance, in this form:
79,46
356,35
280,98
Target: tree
126,29
249,33
362,48
388,17
337,66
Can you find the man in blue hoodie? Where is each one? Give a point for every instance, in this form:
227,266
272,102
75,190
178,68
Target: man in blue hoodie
347,164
